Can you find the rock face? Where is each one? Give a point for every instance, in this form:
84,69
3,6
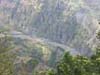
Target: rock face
59,24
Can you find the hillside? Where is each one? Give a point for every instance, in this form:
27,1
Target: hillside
43,30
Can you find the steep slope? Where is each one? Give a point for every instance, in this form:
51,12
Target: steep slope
63,21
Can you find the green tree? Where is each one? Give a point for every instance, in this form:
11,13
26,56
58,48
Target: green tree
80,65
77,65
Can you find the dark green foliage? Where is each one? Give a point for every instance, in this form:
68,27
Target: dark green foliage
76,65
79,65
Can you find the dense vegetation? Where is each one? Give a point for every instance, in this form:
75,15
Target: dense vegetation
77,65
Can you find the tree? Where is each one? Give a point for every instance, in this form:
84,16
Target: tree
76,65
80,65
